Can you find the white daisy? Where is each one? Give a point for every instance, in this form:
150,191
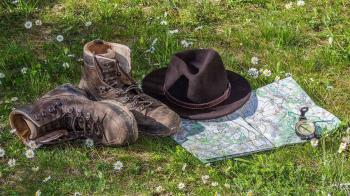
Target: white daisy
171,32
198,28
227,185
165,14
89,143
253,72
59,38
205,179
181,186
186,43
300,3
118,165
254,60
65,65
29,153
163,22
2,75
151,50
71,55
154,42
288,75
13,131
13,99
159,189
214,184
266,72
38,193
35,169
14,1
24,70
32,144
28,24
88,23
184,167
277,78
38,23
342,147
329,87
11,162
330,40
288,5
77,194
47,179
314,142
2,152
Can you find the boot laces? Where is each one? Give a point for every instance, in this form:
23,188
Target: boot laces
80,125
131,93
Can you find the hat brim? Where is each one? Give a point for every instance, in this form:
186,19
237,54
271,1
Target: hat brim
153,83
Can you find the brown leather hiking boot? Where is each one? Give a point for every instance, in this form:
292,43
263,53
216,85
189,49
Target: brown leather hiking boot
106,75
66,113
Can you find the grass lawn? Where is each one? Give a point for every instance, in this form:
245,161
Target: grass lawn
311,42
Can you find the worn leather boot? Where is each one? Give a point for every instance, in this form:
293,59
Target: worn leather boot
66,113
106,75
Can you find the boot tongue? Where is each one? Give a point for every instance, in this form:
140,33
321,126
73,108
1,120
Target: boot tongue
110,54
33,128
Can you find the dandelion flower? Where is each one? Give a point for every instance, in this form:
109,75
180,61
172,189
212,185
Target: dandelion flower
89,143
254,60
181,186
12,162
300,3
186,43
163,22
65,65
47,179
118,165
205,179
2,75
38,23
88,23
184,167
289,5
59,38
2,152
314,142
214,184
253,72
159,189
171,32
342,147
28,24
13,99
266,72
24,70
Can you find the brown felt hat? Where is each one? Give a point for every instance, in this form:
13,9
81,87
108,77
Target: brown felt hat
197,86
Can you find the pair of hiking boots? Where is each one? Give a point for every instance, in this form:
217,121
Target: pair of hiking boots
108,107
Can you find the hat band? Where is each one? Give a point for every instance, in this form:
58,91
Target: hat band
206,105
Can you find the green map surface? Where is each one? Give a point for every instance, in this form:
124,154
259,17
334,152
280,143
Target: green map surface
265,122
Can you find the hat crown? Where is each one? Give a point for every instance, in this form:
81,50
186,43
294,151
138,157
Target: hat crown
196,76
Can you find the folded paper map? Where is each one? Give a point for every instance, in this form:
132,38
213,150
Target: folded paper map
265,122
